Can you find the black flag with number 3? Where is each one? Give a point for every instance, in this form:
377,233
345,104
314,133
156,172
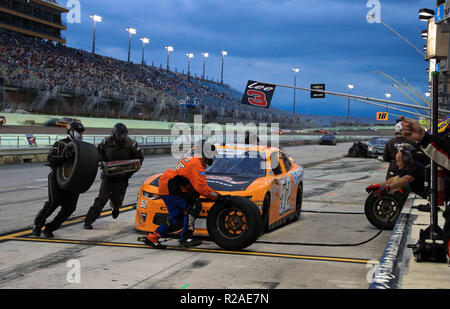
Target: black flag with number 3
258,94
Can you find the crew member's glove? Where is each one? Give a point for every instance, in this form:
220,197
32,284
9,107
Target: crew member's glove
371,188
377,190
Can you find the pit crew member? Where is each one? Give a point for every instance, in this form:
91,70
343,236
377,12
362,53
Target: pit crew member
56,196
117,147
179,189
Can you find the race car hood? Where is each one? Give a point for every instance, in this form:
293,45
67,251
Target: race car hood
229,183
223,182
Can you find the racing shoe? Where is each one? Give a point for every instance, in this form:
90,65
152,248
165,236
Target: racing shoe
48,233
88,226
190,242
115,213
152,240
36,231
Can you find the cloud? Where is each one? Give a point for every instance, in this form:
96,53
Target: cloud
330,40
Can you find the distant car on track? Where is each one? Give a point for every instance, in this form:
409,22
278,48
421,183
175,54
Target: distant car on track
263,176
322,131
328,139
2,120
63,122
376,146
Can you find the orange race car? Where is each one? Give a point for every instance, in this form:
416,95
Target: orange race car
264,177
63,122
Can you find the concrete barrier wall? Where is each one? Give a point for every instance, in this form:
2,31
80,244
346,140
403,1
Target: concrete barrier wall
39,155
31,119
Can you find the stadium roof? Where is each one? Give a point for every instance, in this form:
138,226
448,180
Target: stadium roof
52,4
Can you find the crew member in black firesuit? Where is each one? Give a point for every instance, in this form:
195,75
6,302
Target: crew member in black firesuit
117,147
391,149
56,196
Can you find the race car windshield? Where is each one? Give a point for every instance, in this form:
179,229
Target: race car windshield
243,165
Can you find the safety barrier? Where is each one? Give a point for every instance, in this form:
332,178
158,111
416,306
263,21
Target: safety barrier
30,142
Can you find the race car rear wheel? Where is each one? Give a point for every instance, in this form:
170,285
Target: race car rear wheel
299,202
380,210
266,211
78,174
235,223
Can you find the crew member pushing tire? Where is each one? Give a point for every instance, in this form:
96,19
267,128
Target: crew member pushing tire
56,195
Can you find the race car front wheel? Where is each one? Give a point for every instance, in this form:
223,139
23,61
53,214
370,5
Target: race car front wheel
234,224
78,174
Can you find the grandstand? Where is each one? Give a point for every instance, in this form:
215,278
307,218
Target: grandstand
39,76
37,18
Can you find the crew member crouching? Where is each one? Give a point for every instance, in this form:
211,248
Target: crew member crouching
180,189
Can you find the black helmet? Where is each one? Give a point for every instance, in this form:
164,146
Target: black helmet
208,151
75,126
120,132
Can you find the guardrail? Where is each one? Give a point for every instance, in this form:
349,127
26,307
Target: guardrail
22,142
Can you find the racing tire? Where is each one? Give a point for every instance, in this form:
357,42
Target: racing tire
380,210
234,224
298,202
265,213
78,175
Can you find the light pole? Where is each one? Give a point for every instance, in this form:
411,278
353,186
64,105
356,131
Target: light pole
205,55
96,19
296,70
189,56
144,41
224,53
388,95
169,50
130,31
350,87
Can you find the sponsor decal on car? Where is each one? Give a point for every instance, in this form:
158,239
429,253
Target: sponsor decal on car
297,175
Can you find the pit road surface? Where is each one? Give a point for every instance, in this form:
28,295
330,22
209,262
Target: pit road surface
332,213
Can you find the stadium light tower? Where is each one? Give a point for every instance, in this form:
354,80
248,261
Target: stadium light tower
224,53
296,70
169,50
96,19
130,31
350,87
189,56
144,41
205,55
425,14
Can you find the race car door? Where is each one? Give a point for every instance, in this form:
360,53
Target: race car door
284,183
287,190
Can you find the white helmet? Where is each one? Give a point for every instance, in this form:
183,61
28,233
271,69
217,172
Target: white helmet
398,128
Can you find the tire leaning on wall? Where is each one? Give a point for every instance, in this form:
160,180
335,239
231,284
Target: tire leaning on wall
78,175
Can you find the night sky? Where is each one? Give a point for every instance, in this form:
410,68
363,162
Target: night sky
329,40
